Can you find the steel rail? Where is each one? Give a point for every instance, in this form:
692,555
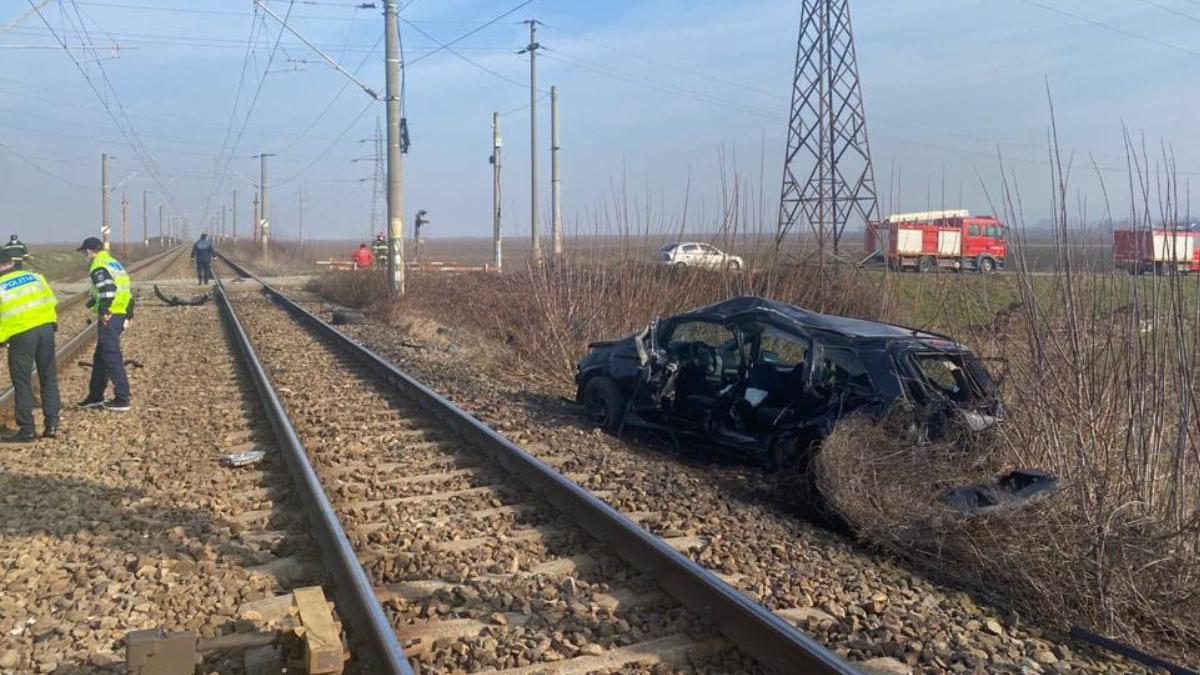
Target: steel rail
74,346
355,596
751,627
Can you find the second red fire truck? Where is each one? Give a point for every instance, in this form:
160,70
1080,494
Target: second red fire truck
932,240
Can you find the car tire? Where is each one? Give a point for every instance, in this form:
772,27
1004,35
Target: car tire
986,264
926,264
604,403
734,266
679,265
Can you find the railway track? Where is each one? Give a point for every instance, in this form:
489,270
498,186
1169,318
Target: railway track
76,331
130,521
482,556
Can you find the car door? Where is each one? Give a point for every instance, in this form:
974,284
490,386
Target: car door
690,254
711,256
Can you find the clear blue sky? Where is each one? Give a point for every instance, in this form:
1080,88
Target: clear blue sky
651,93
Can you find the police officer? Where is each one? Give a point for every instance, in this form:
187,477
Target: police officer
27,324
17,251
112,303
379,249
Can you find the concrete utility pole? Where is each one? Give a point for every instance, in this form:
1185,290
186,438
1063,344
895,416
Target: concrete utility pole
222,237
496,143
531,49
265,213
145,218
235,217
555,182
105,235
161,241
395,175
254,224
124,227
300,217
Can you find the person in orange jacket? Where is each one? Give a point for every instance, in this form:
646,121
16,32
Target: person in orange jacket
362,257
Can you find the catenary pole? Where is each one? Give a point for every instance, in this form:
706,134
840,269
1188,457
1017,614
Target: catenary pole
497,257
395,175
124,226
534,225
264,229
555,179
105,234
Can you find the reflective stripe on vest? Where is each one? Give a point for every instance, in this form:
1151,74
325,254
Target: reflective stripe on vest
120,297
26,302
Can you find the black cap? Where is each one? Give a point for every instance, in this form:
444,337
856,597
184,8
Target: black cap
91,244
13,238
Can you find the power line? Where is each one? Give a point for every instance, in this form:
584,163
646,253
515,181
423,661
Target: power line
219,181
334,64
42,169
462,37
124,126
480,66
1115,29
1172,10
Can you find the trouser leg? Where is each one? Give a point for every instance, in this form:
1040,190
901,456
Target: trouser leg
21,349
99,380
109,345
199,272
207,272
48,374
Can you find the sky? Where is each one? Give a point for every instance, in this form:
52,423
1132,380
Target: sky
667,107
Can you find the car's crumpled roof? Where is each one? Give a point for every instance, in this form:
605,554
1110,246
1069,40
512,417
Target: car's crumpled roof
805,319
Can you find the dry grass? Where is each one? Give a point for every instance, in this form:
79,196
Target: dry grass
1099,380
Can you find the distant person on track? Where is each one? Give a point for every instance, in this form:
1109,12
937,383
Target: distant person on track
362,257
112,303
379,249
28,320
17,252
202,253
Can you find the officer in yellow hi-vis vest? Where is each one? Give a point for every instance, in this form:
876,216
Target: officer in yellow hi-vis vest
112,303
27,324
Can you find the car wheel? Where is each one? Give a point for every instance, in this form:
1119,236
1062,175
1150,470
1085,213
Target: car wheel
679,265
604,402
986,265
734,266
925,264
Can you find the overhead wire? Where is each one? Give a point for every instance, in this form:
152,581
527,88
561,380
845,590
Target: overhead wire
1116,29
220,176
42,169
118,116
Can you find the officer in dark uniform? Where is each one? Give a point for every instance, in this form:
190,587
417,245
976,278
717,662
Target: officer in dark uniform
17,251
379,249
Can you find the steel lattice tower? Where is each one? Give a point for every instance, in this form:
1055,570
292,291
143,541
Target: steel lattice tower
827,173
378,188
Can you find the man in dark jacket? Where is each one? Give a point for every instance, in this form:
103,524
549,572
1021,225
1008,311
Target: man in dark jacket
202,253
17,251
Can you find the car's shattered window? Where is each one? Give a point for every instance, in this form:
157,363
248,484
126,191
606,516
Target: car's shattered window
840,366
947,374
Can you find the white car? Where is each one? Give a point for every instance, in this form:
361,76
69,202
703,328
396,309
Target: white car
694,254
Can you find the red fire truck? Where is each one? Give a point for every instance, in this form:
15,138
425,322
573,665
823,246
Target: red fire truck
930,240
1158,251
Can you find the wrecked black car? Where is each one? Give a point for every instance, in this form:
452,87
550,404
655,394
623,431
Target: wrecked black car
768,381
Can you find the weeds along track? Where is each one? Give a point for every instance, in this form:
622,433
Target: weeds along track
131,520
860,604
482,557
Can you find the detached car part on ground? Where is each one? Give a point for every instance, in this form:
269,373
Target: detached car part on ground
767,381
